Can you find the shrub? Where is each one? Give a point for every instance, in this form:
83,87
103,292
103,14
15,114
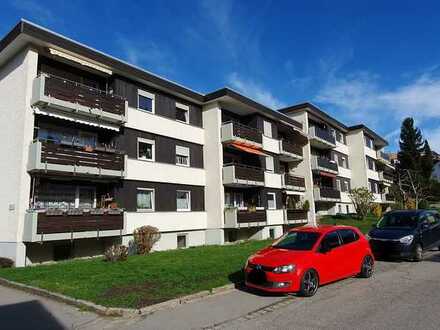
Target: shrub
424,204
362,200
377,210
6,263
145,237
116,253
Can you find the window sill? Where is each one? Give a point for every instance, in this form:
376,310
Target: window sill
146,111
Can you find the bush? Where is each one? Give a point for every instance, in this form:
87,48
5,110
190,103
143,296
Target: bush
377,210
116,253
145,237
424,204
6,263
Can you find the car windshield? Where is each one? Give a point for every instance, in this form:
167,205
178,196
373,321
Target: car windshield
297,240
407,220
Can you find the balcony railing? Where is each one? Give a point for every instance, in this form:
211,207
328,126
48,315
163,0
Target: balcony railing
236,218
291,148
323,135
296,216
326,194
243,175
50,156
57,224
72,96
294,182
232,130
324,164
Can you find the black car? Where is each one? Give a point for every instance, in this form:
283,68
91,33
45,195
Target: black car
406,234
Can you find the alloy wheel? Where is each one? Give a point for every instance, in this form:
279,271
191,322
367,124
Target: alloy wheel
310,283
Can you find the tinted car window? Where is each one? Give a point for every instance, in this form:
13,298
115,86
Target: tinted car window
399,219
332,240
431,219
348,236
297,240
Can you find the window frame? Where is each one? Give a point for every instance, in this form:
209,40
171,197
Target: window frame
189,201
324,238
153,197
267,128
188,156
341,237
185,235
274,200
149,95
272,162
153,149
185,108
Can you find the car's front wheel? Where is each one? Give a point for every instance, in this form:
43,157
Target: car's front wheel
309,283
418,253
367,267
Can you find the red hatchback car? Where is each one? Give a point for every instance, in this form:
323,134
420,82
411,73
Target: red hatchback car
306,257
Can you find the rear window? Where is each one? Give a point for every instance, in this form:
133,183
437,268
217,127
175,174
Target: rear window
348,236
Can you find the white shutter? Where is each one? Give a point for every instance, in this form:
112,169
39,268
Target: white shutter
269,164
267,128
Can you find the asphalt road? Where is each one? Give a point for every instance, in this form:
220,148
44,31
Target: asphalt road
401,295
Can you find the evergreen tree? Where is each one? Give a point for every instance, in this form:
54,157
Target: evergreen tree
427,162
411,146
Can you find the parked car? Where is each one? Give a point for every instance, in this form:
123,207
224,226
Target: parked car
306,257
405,234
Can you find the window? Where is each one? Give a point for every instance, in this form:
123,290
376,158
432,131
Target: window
269,164
371,164
145,199
348,236
340,137
331,240
182,156
368,142
267,128
181,241
272,233
183,199
271,201
341,159
182,112
339,208
348,209
145,101
234,199
146,149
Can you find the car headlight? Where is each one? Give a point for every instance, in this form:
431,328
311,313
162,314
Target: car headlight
407,239
284,269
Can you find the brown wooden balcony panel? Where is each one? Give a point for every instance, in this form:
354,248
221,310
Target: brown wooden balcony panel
389,197
249,173
54,153
327,164
296,215
247,216
296,181
247,133
73,92
292,148
48,224
329,193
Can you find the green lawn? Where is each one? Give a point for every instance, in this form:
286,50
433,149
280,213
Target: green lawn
141,280
364,225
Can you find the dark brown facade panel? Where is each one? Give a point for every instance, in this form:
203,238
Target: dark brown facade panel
164,195
165,104
165,147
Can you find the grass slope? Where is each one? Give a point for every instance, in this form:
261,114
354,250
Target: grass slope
363,225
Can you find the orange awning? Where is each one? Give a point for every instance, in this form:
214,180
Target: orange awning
330,175
247,148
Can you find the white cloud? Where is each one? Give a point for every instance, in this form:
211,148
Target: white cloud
35,10
254,91
433,137
146,54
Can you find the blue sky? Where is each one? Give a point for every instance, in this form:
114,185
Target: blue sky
371,62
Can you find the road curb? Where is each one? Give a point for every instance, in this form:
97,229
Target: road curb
115,311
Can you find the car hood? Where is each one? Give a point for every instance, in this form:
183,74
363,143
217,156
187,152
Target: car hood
274,257
390,233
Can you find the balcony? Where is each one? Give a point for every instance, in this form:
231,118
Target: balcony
234,131
47,156
326,194
383,157
72,97
292,216
58,224
291,182
242,218
321,138
290,151
324,164
242,175
388,198
386,177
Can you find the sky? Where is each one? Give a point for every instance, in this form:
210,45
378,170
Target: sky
371,62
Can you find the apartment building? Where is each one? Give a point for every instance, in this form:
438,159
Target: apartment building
342,158
97,148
